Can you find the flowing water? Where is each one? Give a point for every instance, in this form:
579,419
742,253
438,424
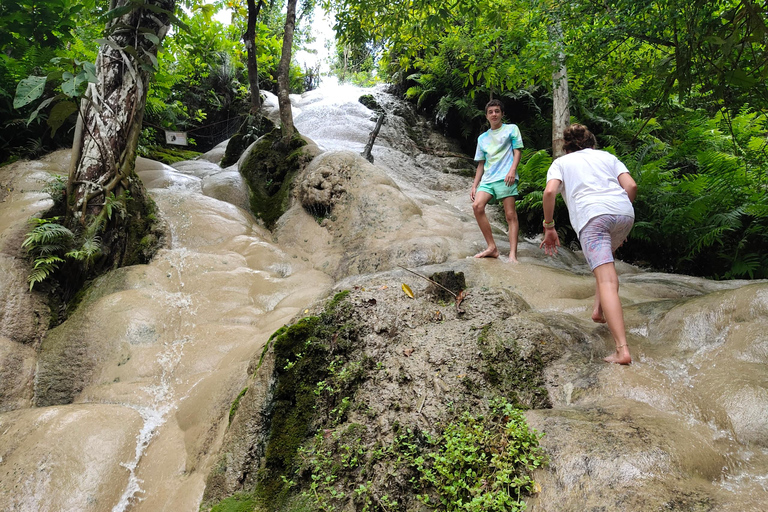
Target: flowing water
168,344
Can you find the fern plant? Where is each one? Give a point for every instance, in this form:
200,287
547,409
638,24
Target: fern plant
50,243
702,205
46,242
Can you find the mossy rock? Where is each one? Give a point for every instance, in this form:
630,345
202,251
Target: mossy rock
513,362
252,128
145,232
369,101
339,430
269,170
304,356
170,155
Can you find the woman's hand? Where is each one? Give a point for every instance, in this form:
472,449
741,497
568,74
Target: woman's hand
551,241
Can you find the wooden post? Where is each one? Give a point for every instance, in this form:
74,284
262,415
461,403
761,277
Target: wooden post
371,138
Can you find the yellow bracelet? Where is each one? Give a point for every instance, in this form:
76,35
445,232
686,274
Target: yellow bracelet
549,224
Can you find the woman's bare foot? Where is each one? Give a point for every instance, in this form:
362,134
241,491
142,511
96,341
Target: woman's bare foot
621,356
598,317
491,252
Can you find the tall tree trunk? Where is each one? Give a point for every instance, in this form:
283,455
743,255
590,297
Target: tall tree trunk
111,124
250,44
283,79
561,116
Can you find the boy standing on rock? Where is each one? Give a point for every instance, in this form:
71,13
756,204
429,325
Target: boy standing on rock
498,153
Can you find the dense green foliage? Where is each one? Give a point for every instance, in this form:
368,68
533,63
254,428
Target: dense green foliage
199,86
477,463
40,39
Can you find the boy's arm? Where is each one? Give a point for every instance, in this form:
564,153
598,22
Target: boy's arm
478,176
509,179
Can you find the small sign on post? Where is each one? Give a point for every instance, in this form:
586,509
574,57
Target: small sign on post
178,138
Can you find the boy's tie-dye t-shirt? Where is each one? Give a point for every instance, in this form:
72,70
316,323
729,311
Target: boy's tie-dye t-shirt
495,147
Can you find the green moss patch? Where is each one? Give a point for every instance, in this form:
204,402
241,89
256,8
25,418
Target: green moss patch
252,128
236,404
312,375
369,101
269,170
170,155
237,503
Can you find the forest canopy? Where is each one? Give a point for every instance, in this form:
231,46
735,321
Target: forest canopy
677,89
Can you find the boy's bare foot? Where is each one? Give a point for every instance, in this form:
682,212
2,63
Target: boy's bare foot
513,259
621,356
490,252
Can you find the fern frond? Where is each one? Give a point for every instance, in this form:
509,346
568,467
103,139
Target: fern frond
47,261
757,210
746,266
47,249
536,167
88,252
47,233
413,91
645,231
114,204
423,97
44,267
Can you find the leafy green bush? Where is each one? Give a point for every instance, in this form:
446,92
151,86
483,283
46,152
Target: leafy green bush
483,463
479,463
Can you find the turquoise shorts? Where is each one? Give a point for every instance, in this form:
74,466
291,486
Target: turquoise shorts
499,190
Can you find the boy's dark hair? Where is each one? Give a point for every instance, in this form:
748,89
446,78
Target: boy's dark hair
494,103
577,137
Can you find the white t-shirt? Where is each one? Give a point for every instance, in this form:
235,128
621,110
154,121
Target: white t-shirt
590,185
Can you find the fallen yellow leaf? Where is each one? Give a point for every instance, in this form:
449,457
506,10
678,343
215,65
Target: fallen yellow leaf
407,290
